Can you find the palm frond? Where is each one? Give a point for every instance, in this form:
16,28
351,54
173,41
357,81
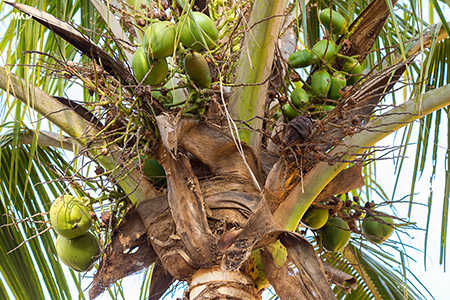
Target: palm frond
378,274
435,75
388,273
27,43
28,255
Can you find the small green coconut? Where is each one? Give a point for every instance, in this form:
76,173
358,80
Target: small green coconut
69,217
79,253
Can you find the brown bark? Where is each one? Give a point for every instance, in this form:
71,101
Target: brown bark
161,281
162,234
340,278
187,207
302,276
217,284
127,253
367,26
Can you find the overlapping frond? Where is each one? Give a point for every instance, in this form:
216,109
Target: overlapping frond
377,272
29,181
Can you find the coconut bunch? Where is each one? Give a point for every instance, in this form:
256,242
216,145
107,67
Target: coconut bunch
327,81
76,246
196,32
333,223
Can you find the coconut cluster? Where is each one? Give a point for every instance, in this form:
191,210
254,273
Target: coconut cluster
328,81
196,32
333,228
76,246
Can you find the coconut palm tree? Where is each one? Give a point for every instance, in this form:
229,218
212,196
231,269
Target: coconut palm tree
207,174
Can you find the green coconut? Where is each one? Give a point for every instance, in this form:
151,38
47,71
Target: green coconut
324,50
377,229
321,83
289,111
328,107
315,218
69,217
299,97
354,69
301,59
141,65
336,20
197,69
194,34
338,81
79,253
335,235
159,40
155,172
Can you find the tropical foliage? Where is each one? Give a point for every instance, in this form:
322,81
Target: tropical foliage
208,164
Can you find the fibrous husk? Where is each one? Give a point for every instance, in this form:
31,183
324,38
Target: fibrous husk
224,192
188,209
161,281
302,276
256,233
127,253
162,235
217,150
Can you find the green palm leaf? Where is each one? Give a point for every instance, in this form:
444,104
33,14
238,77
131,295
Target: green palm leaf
27,256
384,272
378,274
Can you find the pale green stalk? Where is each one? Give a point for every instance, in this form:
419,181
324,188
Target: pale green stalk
114,26
254,67
43,138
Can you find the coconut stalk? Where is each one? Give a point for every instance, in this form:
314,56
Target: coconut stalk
77,127
45,139
290,212
254,67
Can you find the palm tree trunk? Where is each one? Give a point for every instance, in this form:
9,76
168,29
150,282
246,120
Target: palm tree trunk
214,283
